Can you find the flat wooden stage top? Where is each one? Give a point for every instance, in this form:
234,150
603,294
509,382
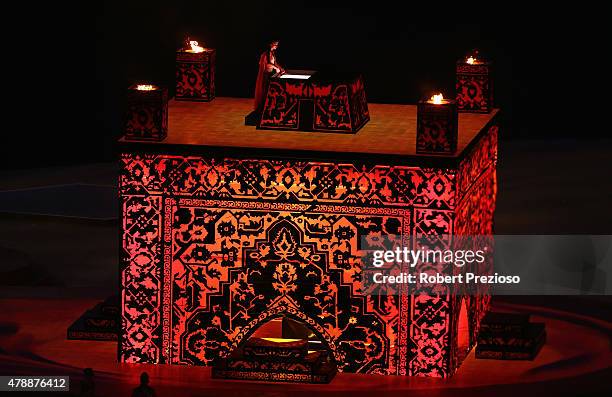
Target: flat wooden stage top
390,131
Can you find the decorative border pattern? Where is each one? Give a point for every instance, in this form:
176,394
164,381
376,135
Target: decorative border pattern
287,181
153,186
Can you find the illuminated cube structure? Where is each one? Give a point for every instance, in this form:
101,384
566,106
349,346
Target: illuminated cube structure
195,75
225,227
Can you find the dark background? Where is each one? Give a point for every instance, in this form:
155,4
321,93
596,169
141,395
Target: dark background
70,63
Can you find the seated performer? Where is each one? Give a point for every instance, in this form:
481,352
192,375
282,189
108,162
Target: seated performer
268,67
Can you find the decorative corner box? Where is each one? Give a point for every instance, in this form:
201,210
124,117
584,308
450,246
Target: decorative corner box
147,113
195,75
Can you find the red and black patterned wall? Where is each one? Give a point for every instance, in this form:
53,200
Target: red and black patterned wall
214,248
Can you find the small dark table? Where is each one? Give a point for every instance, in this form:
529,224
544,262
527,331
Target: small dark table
307,100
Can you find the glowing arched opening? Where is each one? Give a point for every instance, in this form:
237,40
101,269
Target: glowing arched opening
463,332
285,326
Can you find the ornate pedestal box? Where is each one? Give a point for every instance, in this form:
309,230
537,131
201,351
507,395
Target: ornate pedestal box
474,87
146,117
223,233
436,127
98,323
313,101
195,75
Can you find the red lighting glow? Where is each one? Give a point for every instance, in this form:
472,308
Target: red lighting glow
203,268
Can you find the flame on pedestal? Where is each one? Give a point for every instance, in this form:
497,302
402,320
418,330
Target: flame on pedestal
195,47
281,340
145,87
437,99
471,60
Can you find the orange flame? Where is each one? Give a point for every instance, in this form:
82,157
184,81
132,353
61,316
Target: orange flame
145,87
281,340
195,47
437,99
471,60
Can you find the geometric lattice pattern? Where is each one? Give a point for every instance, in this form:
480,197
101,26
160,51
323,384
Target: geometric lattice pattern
214,248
